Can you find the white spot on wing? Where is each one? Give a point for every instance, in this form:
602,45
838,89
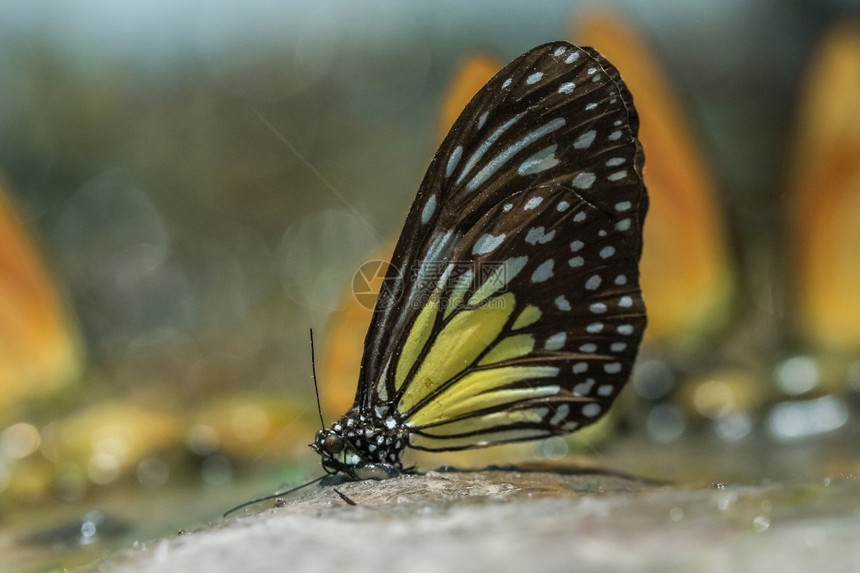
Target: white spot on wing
513,266
591,410
559,51
590,106
583,388
429,209
622,206
588,347
625,302
593,282
571,58
533,203
580,368
487,143
566,88
622,225
439,249
576,245
453,160
560,414
493,165
487,243
540,161
576,262
539,235
583,180
562,303
556,341
606,390
615,162
534,78
597,308
617,176
614,135
562,206
594,328
506,83
607,252
612,367
482,119
618,346
625,329
579,217
585,140
445,275
543,272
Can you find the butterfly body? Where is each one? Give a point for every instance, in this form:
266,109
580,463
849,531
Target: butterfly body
511,309
363,445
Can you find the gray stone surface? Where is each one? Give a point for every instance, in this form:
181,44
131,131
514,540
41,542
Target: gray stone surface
506,520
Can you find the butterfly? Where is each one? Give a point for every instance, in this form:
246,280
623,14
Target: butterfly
511,309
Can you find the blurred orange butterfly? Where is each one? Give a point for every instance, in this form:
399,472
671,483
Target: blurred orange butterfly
824,197
40,349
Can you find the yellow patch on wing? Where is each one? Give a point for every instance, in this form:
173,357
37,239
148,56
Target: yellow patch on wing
483,389
478,423
456,347
509,348
530,315
417,339
441,438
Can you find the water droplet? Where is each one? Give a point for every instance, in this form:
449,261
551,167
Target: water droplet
653,379
733,427
797,375
665,423
796,420
761,523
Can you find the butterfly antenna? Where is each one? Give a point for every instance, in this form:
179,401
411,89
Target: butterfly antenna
316,386
273,496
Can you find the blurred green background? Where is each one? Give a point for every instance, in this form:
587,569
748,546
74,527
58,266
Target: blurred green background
203,178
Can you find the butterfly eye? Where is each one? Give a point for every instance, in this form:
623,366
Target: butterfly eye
333,444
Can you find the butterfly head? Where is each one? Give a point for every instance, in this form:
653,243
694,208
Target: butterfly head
333,451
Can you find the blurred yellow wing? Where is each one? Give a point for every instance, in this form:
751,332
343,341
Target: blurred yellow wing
824,194
686,274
